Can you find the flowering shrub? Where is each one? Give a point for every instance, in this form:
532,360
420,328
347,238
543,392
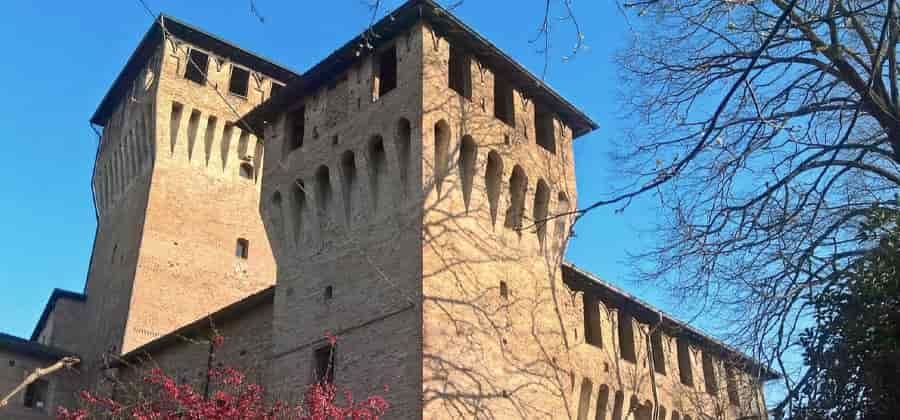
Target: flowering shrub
233,399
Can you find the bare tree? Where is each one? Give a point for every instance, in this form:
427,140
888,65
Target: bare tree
767,131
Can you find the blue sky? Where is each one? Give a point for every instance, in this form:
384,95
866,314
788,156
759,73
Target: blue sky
62,59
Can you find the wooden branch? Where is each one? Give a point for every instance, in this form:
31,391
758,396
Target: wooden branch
64,363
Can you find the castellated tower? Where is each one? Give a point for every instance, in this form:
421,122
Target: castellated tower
406,191
176,186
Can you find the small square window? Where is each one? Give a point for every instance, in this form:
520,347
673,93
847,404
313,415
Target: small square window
12,363
239,82
246,170
196,66
243,248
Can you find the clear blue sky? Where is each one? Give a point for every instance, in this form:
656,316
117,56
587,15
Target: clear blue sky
61,59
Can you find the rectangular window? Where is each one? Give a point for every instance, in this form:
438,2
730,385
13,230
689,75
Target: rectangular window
324,359
36,394
709,374
504,105
296,128
684,363
239,82
243,248
544,128
387,71
592,327
732,383
626,337
275,89
460,72
656,346
504,290
196,66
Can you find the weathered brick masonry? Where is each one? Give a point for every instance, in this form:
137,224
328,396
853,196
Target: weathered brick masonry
416,199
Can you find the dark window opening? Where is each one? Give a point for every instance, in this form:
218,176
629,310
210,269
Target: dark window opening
324,359
518,186
732,385
197,65
296,128
684,363
584,400
246,170
545,132
504,290
592,328
504,106
656,346
36,394
626,337
709,374
329,292
387,71
239,83
275,89
460,72
243,248
12,363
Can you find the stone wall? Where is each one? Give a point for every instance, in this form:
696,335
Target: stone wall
343,212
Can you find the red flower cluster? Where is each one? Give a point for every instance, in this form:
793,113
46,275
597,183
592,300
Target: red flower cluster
233,399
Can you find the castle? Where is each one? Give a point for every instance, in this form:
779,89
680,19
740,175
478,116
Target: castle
412,193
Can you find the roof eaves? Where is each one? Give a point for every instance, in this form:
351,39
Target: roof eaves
768,374
400,19
29,348
232,311
51,303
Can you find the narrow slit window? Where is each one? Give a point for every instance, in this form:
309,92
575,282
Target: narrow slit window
626,336
504,290
468,155
378,184
242,250
441,152
348,175
460,72
324,364
329,292
504,105
518,187
239,82
196,66
387,71
493,180
544,128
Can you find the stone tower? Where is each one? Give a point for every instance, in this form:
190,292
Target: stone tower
176,185
406,190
